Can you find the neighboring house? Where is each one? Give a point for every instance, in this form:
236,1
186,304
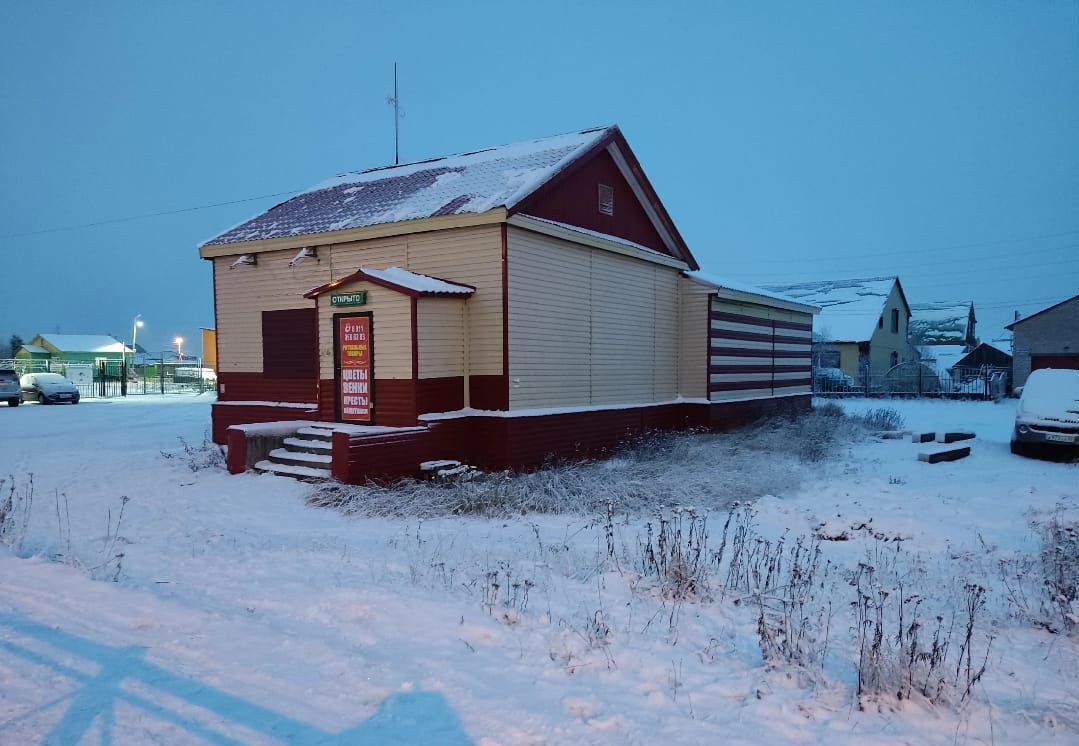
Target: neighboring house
984,355
209,348
943,323
1046,339
863,323
493,307
941,357
73,348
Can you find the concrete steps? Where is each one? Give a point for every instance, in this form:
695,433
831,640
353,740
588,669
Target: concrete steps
290,470
306,456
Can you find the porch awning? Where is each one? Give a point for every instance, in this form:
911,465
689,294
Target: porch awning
400,280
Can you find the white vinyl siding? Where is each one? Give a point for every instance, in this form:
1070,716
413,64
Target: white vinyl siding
469,255
693,340
440,331
242,294
587,326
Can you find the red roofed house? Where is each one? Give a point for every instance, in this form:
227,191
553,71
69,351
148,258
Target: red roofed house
494,307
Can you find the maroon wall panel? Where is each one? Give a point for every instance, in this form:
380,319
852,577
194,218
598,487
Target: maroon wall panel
327,399
440,394
290,343
395,402
489,392
256,387
727,416
576,201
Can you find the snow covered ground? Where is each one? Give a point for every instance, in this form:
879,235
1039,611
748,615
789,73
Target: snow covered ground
238,614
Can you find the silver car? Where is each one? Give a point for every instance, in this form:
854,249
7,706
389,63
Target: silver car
9,387
48,388
1047,417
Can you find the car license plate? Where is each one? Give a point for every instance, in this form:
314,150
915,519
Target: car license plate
1060,438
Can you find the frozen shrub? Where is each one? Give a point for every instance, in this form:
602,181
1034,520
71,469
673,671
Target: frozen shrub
15,506
205,455
882,418
1045,589
829,409
674,553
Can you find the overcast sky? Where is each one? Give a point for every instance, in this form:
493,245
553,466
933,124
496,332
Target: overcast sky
789,141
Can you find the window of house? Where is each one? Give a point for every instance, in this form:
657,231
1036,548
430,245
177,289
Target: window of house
895,321
289,344
895,359
606,199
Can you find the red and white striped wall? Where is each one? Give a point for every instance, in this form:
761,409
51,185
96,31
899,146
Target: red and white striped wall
757,352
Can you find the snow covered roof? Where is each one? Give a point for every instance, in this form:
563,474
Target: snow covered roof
723,283
943,356
453,185
850,309
35,349
940,322
402,280
84,342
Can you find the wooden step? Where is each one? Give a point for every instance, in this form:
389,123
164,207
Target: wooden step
944,454
922,437
287,470
300,458
316,433
307,445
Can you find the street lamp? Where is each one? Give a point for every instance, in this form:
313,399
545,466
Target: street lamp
135,326
179,342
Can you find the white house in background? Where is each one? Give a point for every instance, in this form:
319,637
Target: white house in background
863,322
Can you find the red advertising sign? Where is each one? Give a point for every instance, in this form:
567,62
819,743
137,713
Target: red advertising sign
354,359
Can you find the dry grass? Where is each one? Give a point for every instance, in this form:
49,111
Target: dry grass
708,470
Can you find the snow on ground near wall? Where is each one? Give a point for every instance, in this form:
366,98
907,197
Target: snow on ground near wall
242,616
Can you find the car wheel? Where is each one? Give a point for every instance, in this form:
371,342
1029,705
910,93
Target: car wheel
41,399
75,400
1020,449
14,402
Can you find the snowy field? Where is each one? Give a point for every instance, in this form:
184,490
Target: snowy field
223,609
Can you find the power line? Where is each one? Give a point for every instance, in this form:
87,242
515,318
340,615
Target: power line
905,252
143,216
968,272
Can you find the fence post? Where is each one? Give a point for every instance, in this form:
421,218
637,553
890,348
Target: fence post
161,375
865,374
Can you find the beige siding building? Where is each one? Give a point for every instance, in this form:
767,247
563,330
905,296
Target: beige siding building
536,299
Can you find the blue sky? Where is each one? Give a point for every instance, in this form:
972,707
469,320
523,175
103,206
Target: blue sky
790,141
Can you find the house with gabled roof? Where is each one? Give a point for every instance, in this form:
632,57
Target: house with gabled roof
88,348
495,307
863,322
943,323
1048,338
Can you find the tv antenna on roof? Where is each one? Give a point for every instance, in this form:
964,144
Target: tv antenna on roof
395,102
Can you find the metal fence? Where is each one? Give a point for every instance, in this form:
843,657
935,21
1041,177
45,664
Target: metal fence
132,377
913,379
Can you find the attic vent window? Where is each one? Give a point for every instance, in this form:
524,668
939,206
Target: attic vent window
606,199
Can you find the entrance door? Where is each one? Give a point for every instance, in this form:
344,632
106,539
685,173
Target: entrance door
354,367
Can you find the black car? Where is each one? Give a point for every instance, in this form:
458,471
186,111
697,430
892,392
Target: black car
48,388
9,387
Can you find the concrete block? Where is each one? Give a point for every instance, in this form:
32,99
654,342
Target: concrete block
944,454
